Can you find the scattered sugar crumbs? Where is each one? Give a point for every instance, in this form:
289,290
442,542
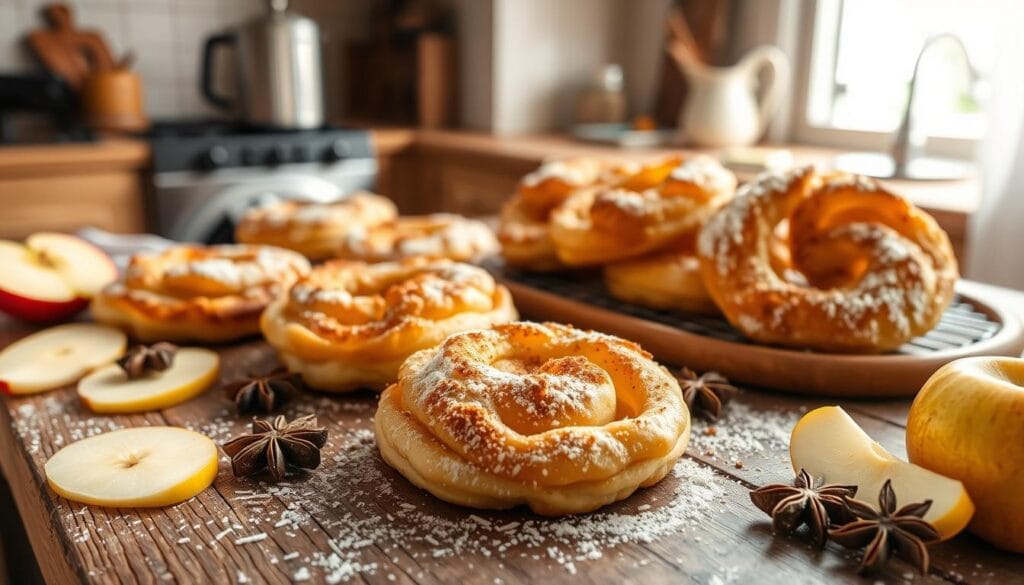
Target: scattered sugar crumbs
744,434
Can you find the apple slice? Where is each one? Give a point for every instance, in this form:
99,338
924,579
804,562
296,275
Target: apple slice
51,276
144,467
57,356
109,390
828,443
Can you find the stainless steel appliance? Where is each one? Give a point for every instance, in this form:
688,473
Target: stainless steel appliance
278,69
205,175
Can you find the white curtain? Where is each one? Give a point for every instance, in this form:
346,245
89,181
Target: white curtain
995,244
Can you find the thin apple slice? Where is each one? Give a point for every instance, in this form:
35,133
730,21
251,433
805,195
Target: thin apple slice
52,276
57,356
25,276
85,268
109,390
144,467
828,443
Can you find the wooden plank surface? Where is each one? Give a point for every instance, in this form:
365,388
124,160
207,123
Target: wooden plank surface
356,520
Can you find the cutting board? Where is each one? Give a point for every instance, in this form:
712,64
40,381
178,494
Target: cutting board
973,325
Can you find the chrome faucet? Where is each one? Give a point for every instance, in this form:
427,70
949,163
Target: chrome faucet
910,140
907,160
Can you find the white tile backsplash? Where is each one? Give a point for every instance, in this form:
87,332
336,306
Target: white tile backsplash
165,35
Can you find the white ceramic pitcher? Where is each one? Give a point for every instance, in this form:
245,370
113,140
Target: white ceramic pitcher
721,106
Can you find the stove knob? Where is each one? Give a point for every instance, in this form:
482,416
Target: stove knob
338,150
216,157
278,155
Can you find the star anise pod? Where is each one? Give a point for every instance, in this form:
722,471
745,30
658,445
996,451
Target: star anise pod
262,393
887,530
141,359
276,445
705,394
808,501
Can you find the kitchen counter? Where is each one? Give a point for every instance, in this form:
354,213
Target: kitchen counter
63,187
104,154
424,170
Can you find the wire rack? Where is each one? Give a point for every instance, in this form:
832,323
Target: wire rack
963,324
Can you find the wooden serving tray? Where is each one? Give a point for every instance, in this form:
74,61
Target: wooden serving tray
973,325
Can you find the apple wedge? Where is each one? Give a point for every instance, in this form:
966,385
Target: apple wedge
144,467
57,357
109,390
828,443
51,276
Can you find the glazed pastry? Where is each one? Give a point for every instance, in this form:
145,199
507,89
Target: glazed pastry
562,420
314,230
198,293
523,233
876,270
663,280
439,235
349,325
646,212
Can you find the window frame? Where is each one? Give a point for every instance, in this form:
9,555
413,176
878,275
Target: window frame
803,131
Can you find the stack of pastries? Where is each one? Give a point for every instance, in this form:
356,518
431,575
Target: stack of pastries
639,221
365,227
824,261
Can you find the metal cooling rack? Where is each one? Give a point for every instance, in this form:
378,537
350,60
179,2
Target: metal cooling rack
962,324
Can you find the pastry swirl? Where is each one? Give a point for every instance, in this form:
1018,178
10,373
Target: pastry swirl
874,271
645,212
198,293
349,325
314,230
562,420
523,232
439,235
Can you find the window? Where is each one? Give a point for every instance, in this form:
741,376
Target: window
860,57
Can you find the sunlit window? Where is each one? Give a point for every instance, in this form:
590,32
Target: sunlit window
863,58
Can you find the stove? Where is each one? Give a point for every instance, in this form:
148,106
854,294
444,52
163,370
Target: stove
206,174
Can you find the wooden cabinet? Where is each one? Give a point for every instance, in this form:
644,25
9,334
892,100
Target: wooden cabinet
66,187
428,178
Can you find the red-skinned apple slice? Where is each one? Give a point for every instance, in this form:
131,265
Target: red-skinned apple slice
51,276
57,357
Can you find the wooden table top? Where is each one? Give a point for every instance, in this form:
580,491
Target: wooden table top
356,520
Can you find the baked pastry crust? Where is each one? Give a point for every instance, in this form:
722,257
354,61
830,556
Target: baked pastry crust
350,325
523,231
314,230
664,280
562,420
198,293
644,213
875,271
438,235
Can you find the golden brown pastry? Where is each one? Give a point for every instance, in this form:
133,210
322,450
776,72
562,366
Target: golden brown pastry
876,270
314,230
349,325
198,293
663,280
646,212
523,232
439,235
559,419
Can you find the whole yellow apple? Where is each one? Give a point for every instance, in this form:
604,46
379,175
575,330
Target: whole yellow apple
968,423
